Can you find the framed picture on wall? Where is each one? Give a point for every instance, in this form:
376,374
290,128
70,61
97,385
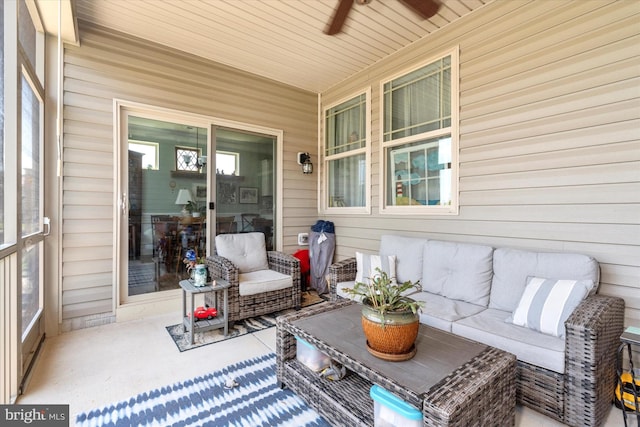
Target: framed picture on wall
226,193
200,192
248,195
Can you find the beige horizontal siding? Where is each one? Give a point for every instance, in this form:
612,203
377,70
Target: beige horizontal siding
549,136
107,66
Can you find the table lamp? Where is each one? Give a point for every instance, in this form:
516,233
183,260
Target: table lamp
184,198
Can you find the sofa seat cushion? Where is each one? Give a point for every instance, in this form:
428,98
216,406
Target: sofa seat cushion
258,282
340,290
460,271
439,312
408,253
489,327
247,251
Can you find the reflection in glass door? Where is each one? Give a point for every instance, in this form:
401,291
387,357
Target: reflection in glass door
245,183
167,195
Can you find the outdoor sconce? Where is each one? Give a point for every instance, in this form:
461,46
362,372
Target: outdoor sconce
304,160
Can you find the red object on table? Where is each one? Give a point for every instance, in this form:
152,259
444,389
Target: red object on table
204,313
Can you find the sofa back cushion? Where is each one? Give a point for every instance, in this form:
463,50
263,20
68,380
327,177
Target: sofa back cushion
408,252
459,271
512,267
247,251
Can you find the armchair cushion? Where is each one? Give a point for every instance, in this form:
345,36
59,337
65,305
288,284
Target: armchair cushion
257,282
247,251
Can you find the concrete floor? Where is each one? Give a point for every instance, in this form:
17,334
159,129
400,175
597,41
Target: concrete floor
94,367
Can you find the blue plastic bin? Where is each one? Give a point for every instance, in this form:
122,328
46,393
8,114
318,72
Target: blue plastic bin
391,411
310,356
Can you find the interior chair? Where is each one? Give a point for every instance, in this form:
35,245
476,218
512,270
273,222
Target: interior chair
265,226
247,221
262,281
162,236
226,224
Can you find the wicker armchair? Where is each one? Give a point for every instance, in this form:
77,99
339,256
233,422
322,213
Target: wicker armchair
581,396
245,306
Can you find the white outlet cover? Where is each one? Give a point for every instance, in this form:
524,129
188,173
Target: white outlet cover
303,239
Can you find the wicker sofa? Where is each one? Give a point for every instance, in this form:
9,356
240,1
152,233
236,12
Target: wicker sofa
473,291
259,269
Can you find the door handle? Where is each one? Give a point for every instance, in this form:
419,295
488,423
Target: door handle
123,204
46,222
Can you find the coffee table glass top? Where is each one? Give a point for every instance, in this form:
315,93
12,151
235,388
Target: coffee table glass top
438,353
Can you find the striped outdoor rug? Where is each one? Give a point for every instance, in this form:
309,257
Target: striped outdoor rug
239,328
204,401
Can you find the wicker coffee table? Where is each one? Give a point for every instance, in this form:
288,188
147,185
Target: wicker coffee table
452,380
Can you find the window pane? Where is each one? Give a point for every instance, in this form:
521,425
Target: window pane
345,126
420,173
149,151
30,160
186,159
30,285
227,163
419,101
347,178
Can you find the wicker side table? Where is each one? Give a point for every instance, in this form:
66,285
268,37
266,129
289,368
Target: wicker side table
453,381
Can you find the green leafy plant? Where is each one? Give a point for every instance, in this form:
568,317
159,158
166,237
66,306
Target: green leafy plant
191,207
385,295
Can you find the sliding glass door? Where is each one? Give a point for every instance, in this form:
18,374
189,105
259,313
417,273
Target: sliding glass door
170,208
167,201
245,183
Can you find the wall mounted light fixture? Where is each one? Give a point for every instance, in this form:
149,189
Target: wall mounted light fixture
304,159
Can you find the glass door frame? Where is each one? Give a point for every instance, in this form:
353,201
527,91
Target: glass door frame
129,307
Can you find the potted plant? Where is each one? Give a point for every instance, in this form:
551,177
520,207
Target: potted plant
192,208
389,318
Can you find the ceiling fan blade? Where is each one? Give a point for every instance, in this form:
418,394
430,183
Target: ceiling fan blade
339,17
425,8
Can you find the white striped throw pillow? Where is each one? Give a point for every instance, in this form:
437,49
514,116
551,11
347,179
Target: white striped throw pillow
366,266
547,303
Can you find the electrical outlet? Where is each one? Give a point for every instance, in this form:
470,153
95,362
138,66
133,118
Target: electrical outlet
303,239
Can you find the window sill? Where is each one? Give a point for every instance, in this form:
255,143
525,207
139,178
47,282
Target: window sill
186,174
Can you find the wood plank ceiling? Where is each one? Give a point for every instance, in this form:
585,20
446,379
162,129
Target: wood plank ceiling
281,40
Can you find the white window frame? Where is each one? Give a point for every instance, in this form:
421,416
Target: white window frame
453,207
156,150
194,158
366,150
236,156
